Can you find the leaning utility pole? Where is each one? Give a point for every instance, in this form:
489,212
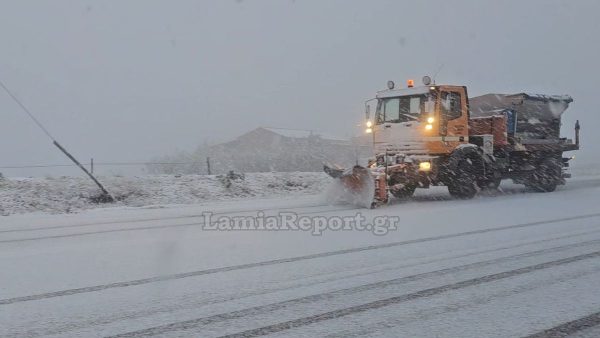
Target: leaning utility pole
106,197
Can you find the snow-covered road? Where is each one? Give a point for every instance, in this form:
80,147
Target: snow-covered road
501,265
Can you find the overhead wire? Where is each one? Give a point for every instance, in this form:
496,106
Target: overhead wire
26,110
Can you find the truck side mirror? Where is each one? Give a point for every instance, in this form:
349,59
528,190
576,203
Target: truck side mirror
367,111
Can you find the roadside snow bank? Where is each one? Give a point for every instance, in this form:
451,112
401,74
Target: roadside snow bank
71,194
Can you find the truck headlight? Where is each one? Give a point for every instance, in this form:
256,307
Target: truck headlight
428,127
369,124
425,166
368,130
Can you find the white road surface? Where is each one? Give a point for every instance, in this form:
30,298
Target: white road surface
505,264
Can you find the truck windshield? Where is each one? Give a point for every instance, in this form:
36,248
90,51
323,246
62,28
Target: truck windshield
403,108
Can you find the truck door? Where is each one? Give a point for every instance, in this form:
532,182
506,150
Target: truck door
453,108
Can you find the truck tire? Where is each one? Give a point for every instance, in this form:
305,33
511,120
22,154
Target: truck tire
464,179
405,192
490,184
464,170
546,177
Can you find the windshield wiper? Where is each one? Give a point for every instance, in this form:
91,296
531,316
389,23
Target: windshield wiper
412,117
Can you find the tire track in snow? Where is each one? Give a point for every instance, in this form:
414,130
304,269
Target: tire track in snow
141,220
150,227
549,221
570,328
283,326
139,314
434,311
193,323
79,234
155,279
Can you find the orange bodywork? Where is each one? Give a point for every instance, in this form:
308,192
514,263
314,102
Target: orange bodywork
381,193
456,130
357,179
494,125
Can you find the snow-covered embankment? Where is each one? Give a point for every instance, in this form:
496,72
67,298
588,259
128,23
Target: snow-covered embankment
71,194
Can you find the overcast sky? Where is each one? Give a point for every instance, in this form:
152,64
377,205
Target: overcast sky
130,80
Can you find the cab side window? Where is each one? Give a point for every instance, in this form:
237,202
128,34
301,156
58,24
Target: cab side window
451,105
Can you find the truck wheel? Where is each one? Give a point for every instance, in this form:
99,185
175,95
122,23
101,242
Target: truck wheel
546,177
405,192
464,182
490,184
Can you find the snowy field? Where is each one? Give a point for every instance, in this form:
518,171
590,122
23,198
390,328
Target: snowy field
505,264
72,194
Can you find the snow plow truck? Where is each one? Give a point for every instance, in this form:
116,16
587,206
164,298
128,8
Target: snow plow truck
436,135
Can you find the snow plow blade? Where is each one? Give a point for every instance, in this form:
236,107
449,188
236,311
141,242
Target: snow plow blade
355,185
